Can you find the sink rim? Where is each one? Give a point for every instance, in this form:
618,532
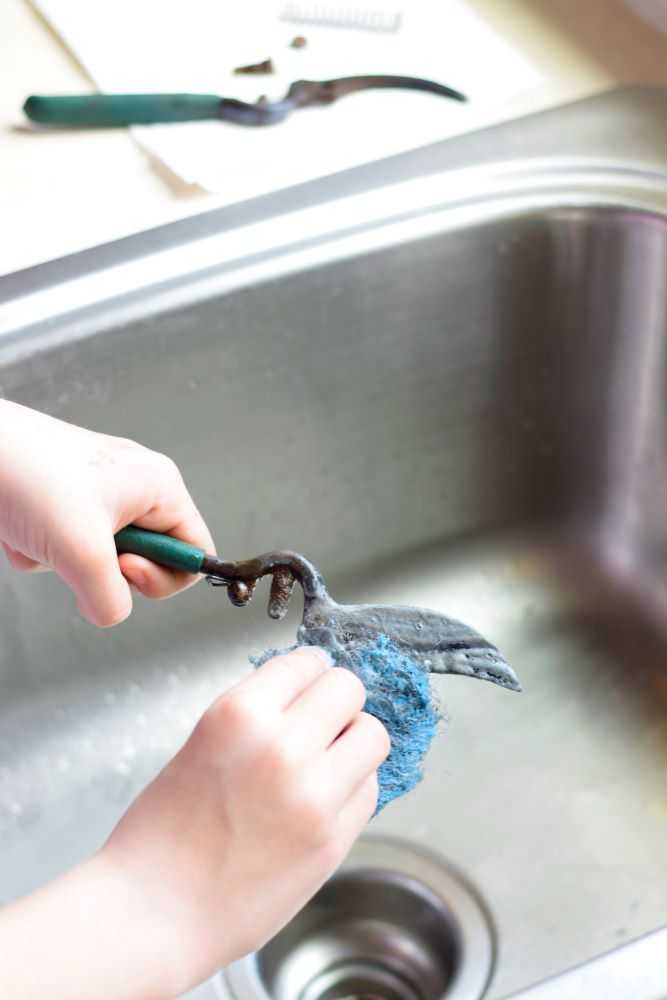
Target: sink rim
570,155
592,131
353,226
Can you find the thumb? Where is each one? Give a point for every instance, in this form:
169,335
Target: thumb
92,572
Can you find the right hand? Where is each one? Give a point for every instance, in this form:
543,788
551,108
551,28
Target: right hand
256,811
65,491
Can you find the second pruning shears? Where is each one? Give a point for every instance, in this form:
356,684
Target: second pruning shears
116,110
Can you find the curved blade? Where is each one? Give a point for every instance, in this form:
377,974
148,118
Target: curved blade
441,645
309,93
303,93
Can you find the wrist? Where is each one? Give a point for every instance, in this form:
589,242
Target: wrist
172,916
90,933
148,926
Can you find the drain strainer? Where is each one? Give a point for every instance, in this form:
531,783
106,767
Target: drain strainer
394,923
355,981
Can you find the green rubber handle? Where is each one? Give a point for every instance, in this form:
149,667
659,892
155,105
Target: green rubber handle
112,110
162,549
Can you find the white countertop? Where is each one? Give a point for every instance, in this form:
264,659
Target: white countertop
62,192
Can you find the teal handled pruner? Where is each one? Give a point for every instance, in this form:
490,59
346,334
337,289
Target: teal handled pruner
114,110
439,644
240,578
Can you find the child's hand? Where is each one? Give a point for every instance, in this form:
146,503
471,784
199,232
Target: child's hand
65,491
252,815
256,811
222,849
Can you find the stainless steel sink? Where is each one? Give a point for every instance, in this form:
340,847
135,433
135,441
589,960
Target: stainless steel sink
443,378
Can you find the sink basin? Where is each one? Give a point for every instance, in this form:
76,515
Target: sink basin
442,378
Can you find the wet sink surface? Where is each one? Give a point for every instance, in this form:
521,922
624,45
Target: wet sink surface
457,404
562,790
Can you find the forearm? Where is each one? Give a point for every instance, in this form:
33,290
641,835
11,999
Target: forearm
89,934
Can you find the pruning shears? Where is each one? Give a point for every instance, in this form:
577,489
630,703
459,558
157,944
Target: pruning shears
115,110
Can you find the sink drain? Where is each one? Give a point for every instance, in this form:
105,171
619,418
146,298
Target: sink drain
394,923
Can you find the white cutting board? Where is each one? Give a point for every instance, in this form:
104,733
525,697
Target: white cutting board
193,45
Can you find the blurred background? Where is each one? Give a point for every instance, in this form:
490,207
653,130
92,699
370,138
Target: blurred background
62,191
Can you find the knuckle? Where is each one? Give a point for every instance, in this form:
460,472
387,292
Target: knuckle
281,759
294,661
235,714
309,656
313,816
123,443
168,467
207,728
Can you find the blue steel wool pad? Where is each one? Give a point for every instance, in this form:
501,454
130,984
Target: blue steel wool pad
398,693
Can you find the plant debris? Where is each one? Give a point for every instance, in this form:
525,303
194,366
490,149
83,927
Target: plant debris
264,68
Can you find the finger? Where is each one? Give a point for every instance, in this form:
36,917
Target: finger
337,775
324,709
171,510
356,754
23,563
255,705
356,813
152,580
161,502
156,581
181,519
89,566
282,679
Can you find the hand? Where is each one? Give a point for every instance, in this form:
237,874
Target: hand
219,852
65,492
256,811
